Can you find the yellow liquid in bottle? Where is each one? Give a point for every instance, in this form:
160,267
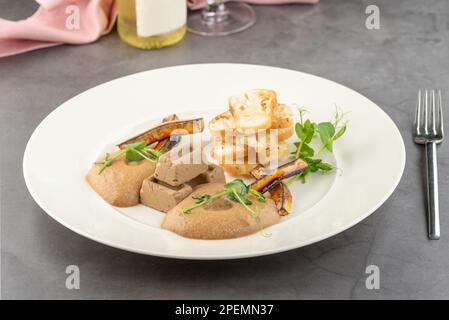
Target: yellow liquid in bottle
127,29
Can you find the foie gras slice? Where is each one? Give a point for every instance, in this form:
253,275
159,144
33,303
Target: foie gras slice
214,174
179,170
161,196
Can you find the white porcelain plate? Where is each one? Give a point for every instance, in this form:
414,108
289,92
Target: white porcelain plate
370,157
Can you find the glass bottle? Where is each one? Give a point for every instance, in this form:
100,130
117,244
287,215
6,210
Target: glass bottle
151,24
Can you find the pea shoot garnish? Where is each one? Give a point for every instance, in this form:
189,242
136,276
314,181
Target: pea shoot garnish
328,132
235,190
133,152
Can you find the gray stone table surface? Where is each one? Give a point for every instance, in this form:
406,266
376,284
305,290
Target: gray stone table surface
408,52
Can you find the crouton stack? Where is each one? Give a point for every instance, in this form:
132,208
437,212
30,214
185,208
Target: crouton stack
252,131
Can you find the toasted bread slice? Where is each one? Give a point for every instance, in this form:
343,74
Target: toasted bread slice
222,125
282,117
284,133
238,154
253,110
282,120
244,166
238,169
240,146
225,152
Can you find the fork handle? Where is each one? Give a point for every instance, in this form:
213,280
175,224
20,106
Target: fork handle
432,191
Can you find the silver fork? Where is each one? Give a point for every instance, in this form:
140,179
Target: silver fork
428,130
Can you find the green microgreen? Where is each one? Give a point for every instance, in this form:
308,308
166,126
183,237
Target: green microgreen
235,190
133,152
328,132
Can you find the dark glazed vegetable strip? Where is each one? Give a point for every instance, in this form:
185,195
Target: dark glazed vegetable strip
280,193
168,143
287,170
165,130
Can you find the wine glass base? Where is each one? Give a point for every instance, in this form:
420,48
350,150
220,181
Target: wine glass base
239,16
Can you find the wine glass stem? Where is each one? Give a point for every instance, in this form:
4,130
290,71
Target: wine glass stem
215,12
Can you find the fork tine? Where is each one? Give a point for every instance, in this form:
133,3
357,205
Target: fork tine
440,114
433,113
426,112
418,113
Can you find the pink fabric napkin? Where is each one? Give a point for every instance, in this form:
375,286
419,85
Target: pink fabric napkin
54,23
